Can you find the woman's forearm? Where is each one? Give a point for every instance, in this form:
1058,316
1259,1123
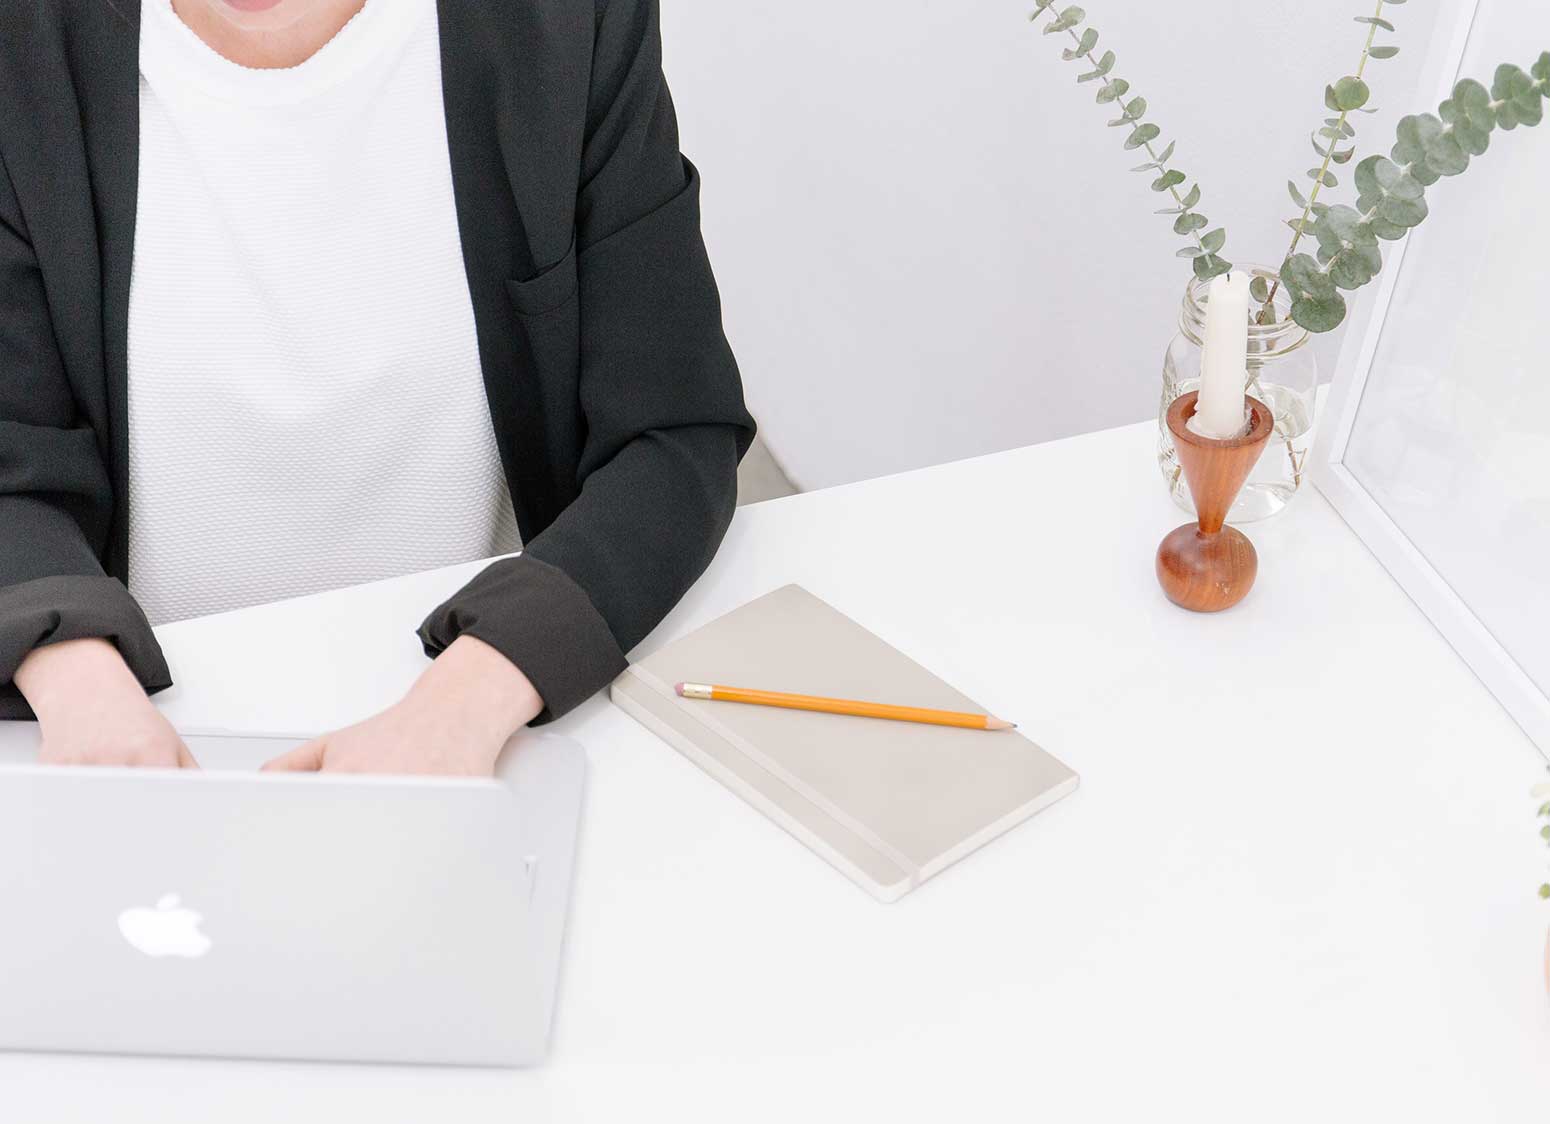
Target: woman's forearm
93,711
481,687
56,677
453,722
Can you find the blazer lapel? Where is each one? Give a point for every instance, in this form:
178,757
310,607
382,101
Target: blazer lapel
109,83
515,94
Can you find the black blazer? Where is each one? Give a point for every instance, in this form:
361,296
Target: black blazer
617,405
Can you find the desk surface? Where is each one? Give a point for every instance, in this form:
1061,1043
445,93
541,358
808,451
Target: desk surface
1297,882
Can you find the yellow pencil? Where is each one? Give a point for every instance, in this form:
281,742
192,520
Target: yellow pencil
843,706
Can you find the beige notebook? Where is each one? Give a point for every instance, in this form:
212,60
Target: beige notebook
888,803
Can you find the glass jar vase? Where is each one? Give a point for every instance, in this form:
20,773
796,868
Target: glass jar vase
1282,373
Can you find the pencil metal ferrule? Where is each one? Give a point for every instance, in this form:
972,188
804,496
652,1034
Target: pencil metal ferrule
697,691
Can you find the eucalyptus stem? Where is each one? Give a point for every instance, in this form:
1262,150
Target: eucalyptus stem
1204,244
1318,184
1391,190
1134,125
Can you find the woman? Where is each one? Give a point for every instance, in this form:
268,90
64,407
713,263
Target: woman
300,293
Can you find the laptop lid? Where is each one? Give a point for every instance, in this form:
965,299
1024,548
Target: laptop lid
312,917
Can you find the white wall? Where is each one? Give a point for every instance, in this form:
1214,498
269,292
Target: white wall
929,243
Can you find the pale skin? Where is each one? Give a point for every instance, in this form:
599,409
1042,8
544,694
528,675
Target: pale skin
456,717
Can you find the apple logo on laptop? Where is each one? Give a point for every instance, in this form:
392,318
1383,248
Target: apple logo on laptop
169,929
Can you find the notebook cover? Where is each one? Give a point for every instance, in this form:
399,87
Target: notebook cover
888,803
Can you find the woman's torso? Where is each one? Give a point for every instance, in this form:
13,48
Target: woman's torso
306,406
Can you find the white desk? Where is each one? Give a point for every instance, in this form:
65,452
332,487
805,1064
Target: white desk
1316,903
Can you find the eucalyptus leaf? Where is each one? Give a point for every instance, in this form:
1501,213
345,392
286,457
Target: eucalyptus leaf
1378,20
1368,206
1341,125
1383,52
1171,178
1208,266
1342,157
1259,289
1541,71
1328,240
1444,154
1132,113
1319,314
1402,212
1099,69
1187,252
1348,226
1468,112
1393,180
1213,240
1189,222
1305,280
1088,41
1351,93
1409,150
1112,90
1388,231
1354,267
1329,98
1379,176
1517,96
1297,196
1324,176
1143,134
1102,67
1191,197
1067,19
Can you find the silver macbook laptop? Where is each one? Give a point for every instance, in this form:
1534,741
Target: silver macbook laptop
224,913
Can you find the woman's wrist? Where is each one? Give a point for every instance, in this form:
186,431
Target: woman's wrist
488,695
58,677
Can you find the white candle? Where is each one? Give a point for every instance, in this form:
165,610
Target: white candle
1220,411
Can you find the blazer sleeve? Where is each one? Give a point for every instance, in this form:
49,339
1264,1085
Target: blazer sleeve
660,391
56,503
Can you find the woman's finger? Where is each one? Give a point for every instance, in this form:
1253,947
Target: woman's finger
304,759
185,758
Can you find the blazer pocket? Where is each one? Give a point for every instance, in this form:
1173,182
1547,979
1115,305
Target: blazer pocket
550,290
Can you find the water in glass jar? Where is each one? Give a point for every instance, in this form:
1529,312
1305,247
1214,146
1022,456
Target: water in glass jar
1280,471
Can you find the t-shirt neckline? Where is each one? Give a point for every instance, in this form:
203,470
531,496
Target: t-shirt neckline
170,51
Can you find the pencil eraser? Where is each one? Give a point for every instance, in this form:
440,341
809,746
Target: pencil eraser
679,687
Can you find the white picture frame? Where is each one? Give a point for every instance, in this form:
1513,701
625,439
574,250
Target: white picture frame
1525,696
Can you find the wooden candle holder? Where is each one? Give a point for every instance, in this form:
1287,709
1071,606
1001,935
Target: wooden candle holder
1208,566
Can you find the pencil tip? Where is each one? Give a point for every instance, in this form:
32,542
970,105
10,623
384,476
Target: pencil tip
999,724
679,688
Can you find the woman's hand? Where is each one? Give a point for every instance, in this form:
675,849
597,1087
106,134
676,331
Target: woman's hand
93,711
453,722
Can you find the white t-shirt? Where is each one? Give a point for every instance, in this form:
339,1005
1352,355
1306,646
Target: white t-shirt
306,407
